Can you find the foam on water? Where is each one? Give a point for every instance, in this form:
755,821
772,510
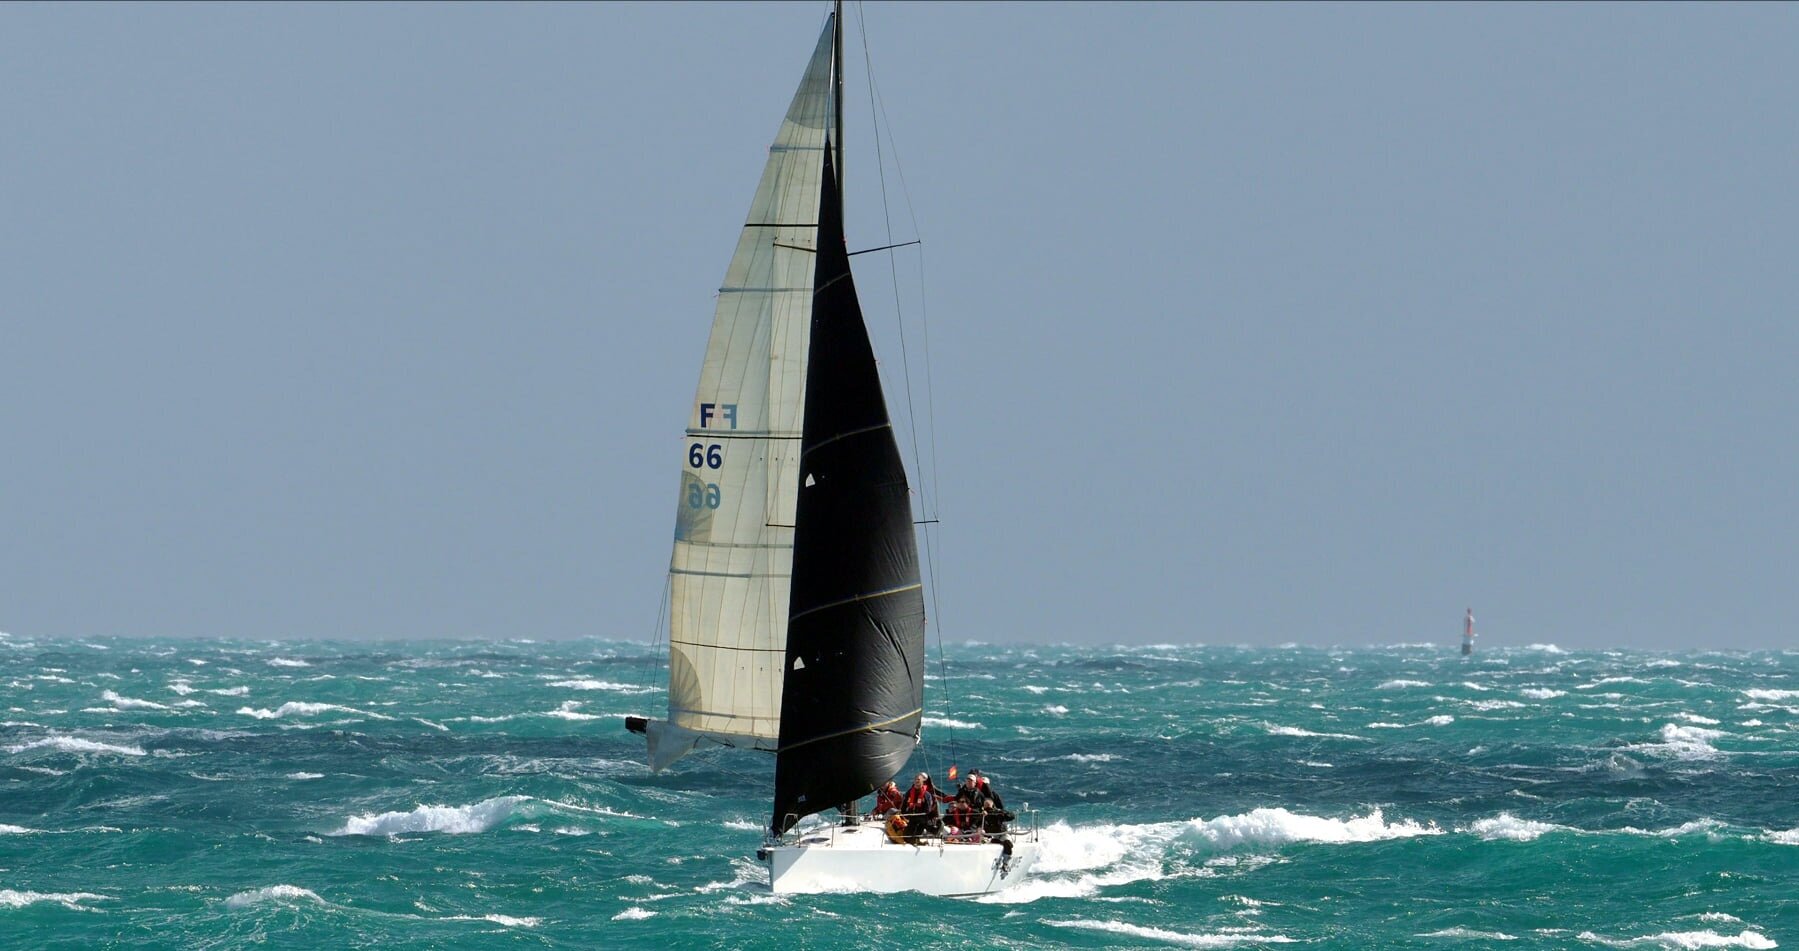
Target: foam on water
1227,939
1686,940
76,744
282,894
1507,826
130,703
453,820
1277,826
301,708
1469,934
70,900
590,684
1275,729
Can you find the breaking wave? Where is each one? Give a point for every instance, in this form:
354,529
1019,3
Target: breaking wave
451,820
1507,826
75,744
69,900
130,703
284,894
1224,939
301,708
1686,939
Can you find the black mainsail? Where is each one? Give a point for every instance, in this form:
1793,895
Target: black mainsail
796,611
853,690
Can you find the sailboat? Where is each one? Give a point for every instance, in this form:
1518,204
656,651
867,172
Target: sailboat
796,606
1468,633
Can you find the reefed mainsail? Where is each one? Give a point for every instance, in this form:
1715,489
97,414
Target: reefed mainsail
734,525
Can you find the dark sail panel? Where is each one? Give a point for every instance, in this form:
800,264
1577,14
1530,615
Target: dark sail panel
854,682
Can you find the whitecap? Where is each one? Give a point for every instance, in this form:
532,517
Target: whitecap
1469,933
634,913
304,708
1774,696
1227,939
230,691
1610,680
287,662
590,684
1683,742
506,920
1278,826
453,820
1783,836
1687,939
1401,684
1056,710
70,900
14,830
304,776
1542,693
130,703
1275,729
951,724
1084,758
1545,648
1507,826
75,744
286,894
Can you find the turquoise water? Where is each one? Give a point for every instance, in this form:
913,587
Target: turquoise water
209,794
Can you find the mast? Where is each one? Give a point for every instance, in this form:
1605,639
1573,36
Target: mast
837,89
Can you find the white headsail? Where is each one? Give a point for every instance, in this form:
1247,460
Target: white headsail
733,552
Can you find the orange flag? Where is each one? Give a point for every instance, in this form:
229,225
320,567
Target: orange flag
952,774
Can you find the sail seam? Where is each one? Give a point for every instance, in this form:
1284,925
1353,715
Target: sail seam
854,432
756,434
868,728
751,545
727,647
916,585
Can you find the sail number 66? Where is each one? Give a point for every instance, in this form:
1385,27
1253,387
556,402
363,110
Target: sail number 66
700,454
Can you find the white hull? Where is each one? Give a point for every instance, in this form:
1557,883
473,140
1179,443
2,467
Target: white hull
862,859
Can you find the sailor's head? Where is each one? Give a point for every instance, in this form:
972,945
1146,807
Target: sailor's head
922,779
891,786
977,777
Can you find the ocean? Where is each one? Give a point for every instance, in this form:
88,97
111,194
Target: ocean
163,793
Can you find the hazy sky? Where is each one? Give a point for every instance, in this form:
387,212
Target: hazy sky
1247,324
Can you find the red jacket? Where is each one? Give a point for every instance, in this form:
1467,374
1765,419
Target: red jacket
886,802
923,800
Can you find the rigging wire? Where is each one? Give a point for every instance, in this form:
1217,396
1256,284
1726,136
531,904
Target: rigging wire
878,118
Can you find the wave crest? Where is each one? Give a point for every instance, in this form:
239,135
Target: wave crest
75,744
453,820
284,894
